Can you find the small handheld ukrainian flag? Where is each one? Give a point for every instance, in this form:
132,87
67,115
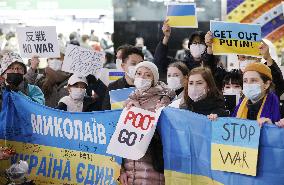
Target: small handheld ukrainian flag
182,15
118,96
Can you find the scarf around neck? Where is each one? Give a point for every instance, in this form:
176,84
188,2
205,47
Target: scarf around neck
268,109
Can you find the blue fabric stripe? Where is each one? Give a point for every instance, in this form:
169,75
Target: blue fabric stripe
186,138
181,10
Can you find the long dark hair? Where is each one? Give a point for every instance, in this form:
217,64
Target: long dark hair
208,77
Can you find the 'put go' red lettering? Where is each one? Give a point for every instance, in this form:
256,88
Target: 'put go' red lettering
139,120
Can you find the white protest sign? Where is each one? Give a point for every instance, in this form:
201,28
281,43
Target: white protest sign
133,134
40,41
82,61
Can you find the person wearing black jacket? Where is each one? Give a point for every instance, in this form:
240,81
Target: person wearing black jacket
200,51
269,54
201,94
130,58
97,90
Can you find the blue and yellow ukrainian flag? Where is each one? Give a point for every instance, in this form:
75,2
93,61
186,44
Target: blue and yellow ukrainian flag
118,97
113,76
186,138
182,15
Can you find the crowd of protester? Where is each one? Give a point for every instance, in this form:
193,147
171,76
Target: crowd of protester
194,81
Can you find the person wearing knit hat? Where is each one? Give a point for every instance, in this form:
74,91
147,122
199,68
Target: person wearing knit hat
153,68
260,68
259,102
150,94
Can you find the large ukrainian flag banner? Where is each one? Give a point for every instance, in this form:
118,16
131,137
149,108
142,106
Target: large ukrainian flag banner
237,38
182,15
60,147
186,138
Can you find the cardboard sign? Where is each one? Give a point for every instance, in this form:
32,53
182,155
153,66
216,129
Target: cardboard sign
243,39
118,97
39,41
82,61
133,133
234,145
182,15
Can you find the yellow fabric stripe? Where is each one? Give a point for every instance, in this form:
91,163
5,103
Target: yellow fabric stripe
117,105
262,105
244,9
177,178
243,110
242,159
225,49
183,21
47,153
114,78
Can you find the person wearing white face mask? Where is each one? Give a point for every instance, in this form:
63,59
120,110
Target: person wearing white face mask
119,53
77,101
200,51
55,64
245,60
176,79
53,80
149,91
232,89
259,102
131,56
201,94
150,94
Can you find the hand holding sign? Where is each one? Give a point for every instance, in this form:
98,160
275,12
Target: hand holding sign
40,41
133,133
235,38
209,39
166,28
182,15
82,61
234,145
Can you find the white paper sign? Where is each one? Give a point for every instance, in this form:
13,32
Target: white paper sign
133,133
40,41
83,61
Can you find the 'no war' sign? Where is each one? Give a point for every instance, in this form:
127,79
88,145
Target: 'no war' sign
39,41
234,145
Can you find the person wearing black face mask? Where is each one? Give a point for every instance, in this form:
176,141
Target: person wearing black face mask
13,70
14,80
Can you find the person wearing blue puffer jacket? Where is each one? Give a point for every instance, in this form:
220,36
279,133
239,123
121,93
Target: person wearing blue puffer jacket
12,71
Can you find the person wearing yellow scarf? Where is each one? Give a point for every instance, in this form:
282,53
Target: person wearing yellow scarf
259,102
